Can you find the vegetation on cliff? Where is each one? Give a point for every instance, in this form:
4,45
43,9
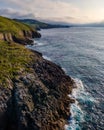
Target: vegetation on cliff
9,25
40,25
11,30
35,96
13,57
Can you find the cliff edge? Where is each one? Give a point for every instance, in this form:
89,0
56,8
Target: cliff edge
13,31
33,91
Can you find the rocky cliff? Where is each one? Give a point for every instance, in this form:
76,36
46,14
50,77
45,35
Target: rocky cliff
33,91
37,100
13,31
24,37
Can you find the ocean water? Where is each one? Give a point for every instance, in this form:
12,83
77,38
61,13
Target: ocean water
80,52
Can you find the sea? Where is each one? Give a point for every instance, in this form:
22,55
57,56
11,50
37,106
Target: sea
80,53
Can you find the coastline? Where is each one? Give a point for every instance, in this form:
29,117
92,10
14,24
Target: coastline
38,99
31,87
33,91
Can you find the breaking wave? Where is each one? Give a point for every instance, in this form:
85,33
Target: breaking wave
81,96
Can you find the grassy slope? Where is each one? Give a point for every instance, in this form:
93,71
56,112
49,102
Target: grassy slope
9,25
13,57
39,25
34,23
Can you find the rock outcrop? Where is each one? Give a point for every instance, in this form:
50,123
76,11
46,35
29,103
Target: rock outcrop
24,37
37,100
36,96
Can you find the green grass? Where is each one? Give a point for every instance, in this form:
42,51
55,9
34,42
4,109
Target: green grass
34,23
13,59
9,25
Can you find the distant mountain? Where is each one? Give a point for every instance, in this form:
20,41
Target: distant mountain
97,24
100,24
41,25
44,25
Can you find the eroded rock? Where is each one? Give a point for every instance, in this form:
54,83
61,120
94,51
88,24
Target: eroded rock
37,100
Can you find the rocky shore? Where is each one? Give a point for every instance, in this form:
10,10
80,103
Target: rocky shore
37,100
23,38
33,91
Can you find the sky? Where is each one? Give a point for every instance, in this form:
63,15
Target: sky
68,11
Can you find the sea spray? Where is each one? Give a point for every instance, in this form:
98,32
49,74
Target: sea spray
47,58
37,43
77,114
80,51
81,96
64,69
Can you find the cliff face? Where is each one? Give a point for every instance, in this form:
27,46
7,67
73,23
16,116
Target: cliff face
13,31
33,91
36,100
24,37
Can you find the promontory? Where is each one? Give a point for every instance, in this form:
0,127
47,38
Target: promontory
33,91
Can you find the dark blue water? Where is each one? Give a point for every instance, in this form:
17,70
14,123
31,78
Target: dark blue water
80,51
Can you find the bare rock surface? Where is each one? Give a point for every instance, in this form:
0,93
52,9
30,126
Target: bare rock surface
37,100
25,37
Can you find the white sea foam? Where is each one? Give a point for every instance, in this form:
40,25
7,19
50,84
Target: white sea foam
38,43
47,58
77,114
64,70
80,93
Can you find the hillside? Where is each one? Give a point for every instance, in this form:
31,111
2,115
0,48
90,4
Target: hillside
32,95
40,25
11,30
9,25
14,57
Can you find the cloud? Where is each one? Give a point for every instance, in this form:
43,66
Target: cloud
53,10
11,13
39,8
